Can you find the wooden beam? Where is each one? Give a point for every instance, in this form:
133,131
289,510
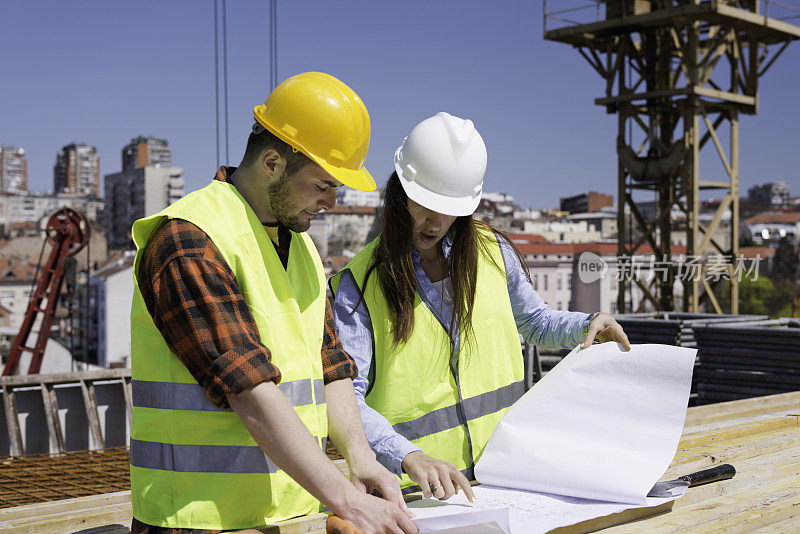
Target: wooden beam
12,422
90,405
63,378
55,432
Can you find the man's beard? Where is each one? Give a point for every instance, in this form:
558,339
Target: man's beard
278,194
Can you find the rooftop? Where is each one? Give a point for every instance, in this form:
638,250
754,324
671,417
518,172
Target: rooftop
775,217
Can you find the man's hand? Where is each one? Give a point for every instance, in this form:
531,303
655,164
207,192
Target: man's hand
437,478
370,514
368,475
373,515
604,328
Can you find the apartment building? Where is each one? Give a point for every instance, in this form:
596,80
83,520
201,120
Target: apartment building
110,295
146,152
584,276
77,170
590,202
34,207
13,170
136,193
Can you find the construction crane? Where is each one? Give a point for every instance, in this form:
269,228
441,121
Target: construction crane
677,73
67,232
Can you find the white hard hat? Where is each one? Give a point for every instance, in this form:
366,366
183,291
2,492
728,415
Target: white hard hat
441,165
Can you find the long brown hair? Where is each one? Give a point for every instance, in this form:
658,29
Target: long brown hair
392,260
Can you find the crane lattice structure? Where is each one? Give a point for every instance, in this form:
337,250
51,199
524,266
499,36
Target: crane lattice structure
678,73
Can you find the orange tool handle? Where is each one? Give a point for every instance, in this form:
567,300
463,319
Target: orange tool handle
337,525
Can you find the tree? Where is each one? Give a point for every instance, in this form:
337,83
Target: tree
756,297
786,262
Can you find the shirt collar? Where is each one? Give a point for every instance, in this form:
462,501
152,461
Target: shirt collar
224,173
447,245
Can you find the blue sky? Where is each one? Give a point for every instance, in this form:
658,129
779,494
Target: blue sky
104,72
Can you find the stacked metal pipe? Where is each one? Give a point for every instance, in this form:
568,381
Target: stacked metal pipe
677,328
747,360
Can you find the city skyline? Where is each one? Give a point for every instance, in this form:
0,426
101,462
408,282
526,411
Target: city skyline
151,72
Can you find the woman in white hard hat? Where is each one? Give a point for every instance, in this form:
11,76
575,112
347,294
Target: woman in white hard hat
432,310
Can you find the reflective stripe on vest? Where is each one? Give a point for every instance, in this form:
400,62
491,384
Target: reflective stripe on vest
202,458
179,396
474,407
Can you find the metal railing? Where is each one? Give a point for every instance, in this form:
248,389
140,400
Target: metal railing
578,12
61,412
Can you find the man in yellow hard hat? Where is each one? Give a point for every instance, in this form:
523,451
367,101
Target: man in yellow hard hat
238,376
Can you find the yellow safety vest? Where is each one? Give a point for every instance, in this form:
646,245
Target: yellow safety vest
194,465
447,410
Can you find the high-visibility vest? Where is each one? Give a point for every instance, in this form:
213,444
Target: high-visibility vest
448,409
194,465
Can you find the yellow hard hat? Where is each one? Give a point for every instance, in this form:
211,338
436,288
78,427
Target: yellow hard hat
323,118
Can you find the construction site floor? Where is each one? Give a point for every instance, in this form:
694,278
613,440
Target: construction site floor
759,436
43,477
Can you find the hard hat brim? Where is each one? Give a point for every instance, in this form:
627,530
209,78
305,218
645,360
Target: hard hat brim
359,179
455,206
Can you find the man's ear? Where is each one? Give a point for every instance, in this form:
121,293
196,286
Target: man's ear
272,163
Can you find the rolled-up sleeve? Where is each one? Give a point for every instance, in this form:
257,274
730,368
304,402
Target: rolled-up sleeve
194,300
337,364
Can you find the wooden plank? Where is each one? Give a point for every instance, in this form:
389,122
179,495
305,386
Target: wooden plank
310,524
12,422
736,419
742,408
90,405
787,526
65,505
80,514
78,521
126,392
739,448
55,433
741,511
736,430
57,420
64,378
750,473
626,516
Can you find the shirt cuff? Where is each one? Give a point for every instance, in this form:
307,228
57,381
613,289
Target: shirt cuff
238,370
391,452
586,323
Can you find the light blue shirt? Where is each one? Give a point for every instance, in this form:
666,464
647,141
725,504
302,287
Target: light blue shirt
537,323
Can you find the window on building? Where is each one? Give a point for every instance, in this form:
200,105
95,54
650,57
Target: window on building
7,297
560,305
544,282
558,283
536,281
569,280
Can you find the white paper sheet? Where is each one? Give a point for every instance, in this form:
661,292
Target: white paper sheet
588,440
526,512
603,424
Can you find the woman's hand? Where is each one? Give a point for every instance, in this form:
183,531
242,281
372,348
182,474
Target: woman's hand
604,328
437,478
